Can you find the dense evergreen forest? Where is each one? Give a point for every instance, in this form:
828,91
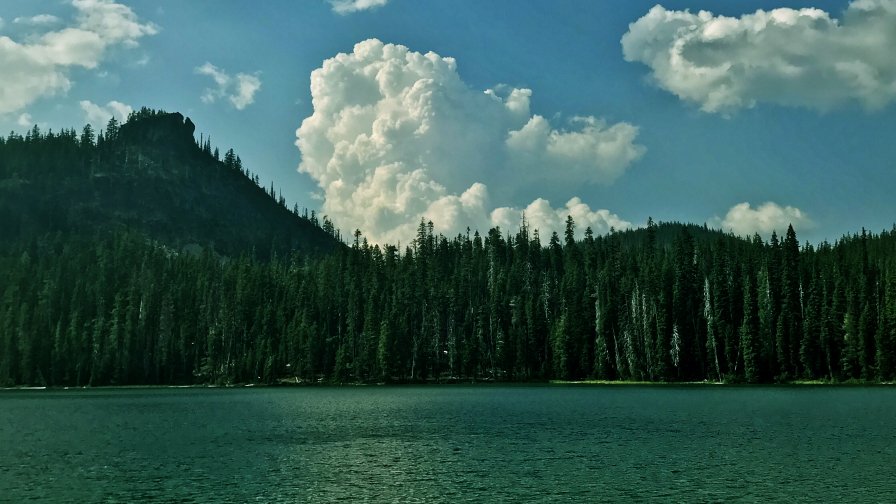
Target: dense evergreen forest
148,175
117,304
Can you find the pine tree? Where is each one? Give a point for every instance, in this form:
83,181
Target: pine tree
686,304
602,367
711,345
560,347
789,323
750,332
851,338
87,141
112,129
811,336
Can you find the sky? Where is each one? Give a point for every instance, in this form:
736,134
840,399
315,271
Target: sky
747,116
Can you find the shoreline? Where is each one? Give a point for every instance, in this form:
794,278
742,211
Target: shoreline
484,383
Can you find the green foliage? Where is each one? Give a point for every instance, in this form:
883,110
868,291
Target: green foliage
124,309
97,286
148,174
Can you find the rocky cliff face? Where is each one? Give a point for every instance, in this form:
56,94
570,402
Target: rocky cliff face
169,130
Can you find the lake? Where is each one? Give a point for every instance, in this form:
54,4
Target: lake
450,444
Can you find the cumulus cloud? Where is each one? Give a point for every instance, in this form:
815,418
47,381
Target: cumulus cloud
98,115
25,120
744,220
541,215
791,57
239,90
396,135
40,66
344,7
112,22
536,145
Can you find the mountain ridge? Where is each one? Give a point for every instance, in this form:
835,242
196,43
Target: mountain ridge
150,175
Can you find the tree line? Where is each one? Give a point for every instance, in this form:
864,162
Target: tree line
669,302
119,301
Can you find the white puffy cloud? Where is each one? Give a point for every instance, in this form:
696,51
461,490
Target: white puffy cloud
791,57
536,145
38,20
744,220
98,115
396,135
40,66
344,7
239,90
541,215
113,22
25,120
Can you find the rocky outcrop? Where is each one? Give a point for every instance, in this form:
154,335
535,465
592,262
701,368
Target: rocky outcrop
170,130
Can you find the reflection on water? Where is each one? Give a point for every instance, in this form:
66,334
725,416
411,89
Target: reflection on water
449,444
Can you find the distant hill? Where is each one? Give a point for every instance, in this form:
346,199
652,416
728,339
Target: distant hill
148,175
665,234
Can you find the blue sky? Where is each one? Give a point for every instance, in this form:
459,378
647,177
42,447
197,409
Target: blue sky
788,111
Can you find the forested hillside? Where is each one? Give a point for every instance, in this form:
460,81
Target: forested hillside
138,255
149,175
633,305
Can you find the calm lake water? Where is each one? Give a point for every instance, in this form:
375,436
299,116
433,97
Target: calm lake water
450,444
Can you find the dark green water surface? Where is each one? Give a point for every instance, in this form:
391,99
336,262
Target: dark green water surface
450,444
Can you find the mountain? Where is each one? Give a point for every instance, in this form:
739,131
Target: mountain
147,175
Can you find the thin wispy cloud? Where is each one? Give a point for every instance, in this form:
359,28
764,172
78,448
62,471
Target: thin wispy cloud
38,20
344,7
792,57
239,90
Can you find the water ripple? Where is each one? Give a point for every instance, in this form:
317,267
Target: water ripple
449,444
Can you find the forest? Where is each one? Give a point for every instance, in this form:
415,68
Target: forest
671,302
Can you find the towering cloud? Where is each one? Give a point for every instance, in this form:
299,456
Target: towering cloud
40,65
800,58
396,135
